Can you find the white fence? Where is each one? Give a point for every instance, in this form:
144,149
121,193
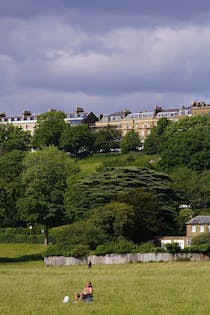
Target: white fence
123,259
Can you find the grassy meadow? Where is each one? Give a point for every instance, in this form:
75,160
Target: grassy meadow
178,288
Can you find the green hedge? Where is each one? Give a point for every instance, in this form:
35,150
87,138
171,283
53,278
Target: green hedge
67,251
21,238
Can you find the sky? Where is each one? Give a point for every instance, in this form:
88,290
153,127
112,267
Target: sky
103,55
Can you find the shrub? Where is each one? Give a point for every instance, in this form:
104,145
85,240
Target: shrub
21,238
173,248
201,239
121,246
67,251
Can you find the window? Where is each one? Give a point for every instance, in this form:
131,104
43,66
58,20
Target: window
209,228
201,228
189,242
193,229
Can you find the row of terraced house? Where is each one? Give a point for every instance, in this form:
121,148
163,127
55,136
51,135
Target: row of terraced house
142,122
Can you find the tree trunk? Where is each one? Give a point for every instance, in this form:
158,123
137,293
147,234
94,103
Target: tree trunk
46,235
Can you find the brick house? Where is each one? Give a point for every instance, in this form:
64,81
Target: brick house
194,227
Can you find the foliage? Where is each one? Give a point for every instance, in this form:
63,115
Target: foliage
154,140
44,180
153,215
187,143
106,139
173,248
10,188
194,187
130,142
13,138
21,238
50,126
98,189
184,216
76,251
120,246
115,219
201,239
77,139
80,232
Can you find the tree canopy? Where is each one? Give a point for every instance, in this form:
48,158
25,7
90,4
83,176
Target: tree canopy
10,187
98,189
106,139
187,143
155,139
44,181
50,126
77,139
130,142
13,138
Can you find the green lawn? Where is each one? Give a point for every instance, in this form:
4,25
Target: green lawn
179,288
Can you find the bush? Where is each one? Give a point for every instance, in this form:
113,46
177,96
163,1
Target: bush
121,246
201,239
146,248
67,251
54,250
21,238
173,248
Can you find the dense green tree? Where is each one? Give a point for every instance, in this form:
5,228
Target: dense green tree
10,187
187,143
49,128
81,232
13,138
130,142
44,181
185,215
85,194
154,140
106,139
115,219
152,216
77,139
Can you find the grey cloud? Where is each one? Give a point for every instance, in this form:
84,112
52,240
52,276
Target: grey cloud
103,54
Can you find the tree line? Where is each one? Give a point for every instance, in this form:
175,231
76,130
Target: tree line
131,202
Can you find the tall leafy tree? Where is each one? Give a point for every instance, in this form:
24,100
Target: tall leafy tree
187,143
98,189
107,138
44,181
152,216
77,139
130,142
10,187
13,138
115,219
49,128
155,139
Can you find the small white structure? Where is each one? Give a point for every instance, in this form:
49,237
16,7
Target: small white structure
66,299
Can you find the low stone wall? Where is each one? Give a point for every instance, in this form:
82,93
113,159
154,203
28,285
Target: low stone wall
123,259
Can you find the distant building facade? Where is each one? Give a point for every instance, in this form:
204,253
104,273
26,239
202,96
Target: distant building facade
141,122
28,122
194,227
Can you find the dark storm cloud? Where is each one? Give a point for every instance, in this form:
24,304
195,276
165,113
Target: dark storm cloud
103,54
166,9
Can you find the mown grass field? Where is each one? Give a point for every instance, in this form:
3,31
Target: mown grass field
19,250
179,288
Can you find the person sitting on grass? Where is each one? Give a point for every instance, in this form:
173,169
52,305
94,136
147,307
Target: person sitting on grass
86,294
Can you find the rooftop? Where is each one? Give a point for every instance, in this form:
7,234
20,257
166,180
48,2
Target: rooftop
200,219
